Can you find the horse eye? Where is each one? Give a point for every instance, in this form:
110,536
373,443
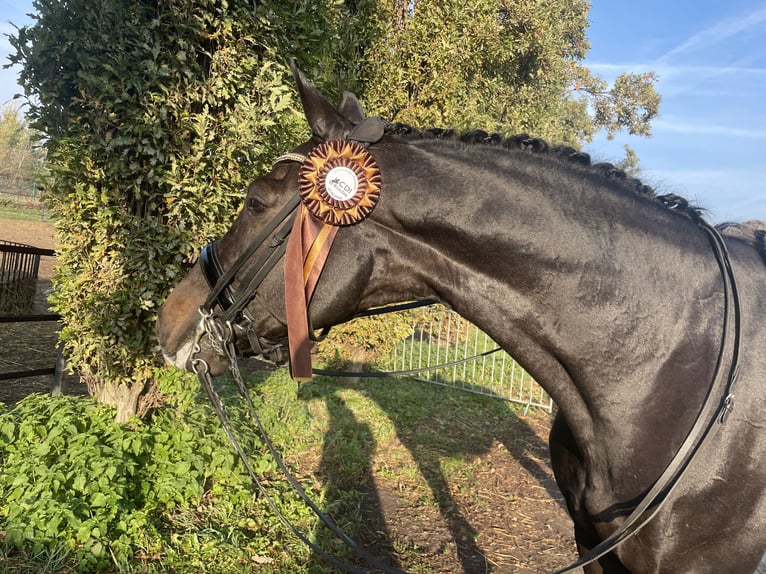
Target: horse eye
255,204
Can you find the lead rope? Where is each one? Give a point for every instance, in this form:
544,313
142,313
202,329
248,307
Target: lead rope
201,369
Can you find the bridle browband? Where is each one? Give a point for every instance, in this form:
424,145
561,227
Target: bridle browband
234,317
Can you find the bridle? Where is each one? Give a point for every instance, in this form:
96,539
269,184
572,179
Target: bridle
234,317
221,329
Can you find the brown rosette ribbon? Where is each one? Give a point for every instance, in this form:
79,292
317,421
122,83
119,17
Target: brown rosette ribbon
339,184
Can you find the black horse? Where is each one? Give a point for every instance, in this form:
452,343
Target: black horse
644,324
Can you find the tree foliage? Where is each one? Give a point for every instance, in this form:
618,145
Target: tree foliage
500,65
630,163
21,161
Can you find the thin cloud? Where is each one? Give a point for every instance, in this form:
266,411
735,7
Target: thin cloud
665,70
710,81
723,81
708,129
726,194
717,33
739,182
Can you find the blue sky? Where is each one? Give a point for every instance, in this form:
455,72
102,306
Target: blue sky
709,144
10,11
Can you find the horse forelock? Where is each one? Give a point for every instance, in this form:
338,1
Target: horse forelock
560,153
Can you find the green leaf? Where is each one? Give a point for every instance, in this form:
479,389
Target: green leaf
99,499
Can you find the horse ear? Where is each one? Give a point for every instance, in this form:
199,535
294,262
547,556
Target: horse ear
350,108
325,121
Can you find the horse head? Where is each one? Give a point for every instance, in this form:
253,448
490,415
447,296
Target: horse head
196,316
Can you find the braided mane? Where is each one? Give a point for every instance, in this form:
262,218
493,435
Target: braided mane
753,232
525,143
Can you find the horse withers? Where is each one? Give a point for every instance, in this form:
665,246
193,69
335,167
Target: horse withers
644,324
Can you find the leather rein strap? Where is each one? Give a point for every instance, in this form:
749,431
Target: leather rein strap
207,385
711,415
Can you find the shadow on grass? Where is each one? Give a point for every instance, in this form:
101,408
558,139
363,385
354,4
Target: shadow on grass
432,425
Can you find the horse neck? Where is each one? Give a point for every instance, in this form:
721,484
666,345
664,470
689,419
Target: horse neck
601,295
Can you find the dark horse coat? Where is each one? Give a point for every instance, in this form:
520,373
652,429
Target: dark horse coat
609,296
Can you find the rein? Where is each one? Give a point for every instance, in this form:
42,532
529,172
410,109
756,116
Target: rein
711,416
201,370
220,330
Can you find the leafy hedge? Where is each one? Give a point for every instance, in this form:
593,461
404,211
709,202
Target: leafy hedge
90,494
156,117
367,340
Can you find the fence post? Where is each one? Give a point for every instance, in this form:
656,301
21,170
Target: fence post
58,371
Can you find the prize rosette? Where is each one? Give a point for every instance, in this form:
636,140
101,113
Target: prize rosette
340,183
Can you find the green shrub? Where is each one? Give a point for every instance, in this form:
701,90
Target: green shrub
367,339
76,485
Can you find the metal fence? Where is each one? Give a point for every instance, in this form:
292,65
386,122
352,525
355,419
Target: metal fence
441,336
19,267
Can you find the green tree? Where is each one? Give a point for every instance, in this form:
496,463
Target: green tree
156,115
21,160
499,65
630,163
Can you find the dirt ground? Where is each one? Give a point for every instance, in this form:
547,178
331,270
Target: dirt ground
515,523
